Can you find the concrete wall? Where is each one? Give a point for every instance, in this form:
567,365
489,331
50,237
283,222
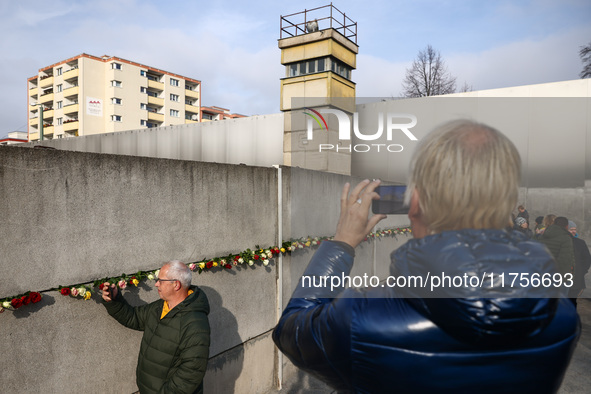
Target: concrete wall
254,140
72,217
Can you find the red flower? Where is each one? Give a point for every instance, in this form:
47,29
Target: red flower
228,266
209,264
101,286
35,297
26,300
236,257
256,256
65,291
16,303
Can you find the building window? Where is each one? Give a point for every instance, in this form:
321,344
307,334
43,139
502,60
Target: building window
59,88
116,66
143,122
59,104
174,97
60,121
116,84
174,82
143,73
116,101
143,89
116,118
174,112
207,116
58,71
143,106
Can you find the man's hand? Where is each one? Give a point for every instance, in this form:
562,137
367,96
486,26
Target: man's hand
109,292
354,224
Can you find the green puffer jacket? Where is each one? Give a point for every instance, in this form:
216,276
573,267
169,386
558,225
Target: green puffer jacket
560,243
174,351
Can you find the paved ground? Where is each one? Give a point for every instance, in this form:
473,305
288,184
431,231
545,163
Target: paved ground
576,381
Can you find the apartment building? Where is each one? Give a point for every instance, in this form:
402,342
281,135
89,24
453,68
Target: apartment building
87,95
14,137
217,113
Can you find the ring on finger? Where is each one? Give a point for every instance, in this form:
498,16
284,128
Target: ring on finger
358,201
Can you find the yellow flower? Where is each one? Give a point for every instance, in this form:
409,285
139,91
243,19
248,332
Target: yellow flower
202,265
282,250
308,243
87,295
135,282
215,264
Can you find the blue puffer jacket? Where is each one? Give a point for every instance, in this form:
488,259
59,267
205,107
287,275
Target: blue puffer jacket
494,339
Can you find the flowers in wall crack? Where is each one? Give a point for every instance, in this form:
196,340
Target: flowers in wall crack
248,258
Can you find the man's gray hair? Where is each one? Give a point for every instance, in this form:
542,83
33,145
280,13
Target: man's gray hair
466,175
179,271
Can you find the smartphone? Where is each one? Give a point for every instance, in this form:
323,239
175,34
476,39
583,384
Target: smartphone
391,200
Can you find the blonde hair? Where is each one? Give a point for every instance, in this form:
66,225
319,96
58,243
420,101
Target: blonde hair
466,175
549,220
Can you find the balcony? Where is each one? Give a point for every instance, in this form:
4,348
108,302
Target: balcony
48,113
70,109
45,82
46,98
34,136
71,126
71,73
156,117
156,101
34,122
188,121
72,91
191,93
48,131
155,85
192,108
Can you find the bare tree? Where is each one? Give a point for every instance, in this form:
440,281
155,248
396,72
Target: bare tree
428,76
466,88
585,54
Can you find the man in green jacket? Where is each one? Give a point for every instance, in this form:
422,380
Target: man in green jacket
175,346
559,242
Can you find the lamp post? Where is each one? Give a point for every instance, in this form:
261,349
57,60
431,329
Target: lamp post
40,122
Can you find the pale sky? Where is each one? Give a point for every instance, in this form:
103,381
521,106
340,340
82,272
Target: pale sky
231,46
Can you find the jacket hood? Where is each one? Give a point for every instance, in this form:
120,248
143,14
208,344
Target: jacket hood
469,276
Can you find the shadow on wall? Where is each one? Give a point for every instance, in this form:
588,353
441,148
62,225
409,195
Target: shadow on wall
225,364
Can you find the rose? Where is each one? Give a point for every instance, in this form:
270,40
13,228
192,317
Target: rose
227,266
282,250
209,264
265,262
202,265
16,303
250,262
65,291
192,266
256,256
101,286
122,284
6,304
26,300
134,282
156,273
74,291
241,260
215,264
81,291
87,295
151,276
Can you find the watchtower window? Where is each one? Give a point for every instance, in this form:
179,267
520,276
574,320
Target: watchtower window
318,65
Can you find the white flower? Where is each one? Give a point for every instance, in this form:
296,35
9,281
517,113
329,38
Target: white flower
156,273
6,304
81,291
241,260
250,262
151,276
265,262
269,254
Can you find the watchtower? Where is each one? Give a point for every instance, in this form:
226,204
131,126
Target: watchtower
319,51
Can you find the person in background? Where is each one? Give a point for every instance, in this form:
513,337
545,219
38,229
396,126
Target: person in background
521,226
582,263
522,213
175,345
463,185
559,242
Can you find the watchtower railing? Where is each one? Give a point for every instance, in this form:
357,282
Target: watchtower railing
327,16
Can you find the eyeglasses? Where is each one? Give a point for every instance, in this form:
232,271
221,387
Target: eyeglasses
166,280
